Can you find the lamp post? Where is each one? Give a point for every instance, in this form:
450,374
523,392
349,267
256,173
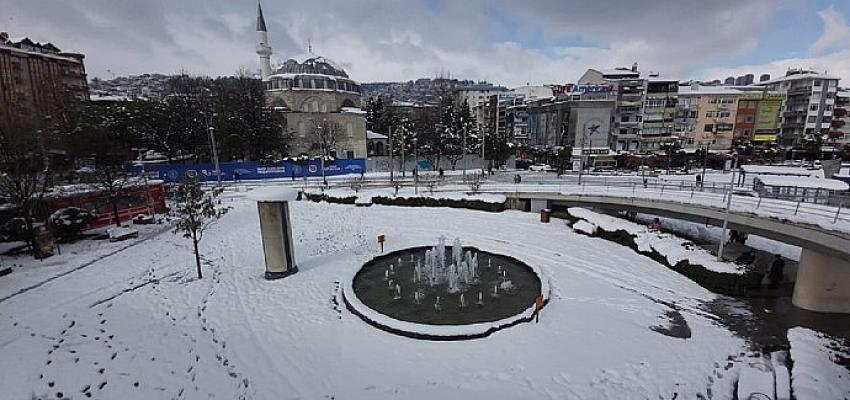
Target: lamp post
728,206
211,131
391,153
463,150
581,157
416,168
214,150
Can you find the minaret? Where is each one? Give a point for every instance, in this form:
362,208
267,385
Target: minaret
263,48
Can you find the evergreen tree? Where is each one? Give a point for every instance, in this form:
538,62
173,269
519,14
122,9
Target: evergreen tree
196,209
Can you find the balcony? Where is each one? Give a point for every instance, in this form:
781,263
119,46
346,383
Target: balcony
838,123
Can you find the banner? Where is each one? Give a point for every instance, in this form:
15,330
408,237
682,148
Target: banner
231,171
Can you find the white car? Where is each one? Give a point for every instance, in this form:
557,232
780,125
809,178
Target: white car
540,167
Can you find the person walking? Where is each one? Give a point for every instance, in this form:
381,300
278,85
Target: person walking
776,270
699,181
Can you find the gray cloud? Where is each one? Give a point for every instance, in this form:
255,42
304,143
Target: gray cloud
501,40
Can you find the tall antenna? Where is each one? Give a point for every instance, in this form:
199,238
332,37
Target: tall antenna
309,46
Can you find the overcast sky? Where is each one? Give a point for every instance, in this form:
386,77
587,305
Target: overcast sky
503,41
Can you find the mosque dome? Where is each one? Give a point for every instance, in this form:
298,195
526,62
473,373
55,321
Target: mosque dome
311,64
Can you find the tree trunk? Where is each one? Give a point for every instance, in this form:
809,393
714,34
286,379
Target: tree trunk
114,201
197,257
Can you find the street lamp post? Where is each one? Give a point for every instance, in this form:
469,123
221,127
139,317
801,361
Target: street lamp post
581,157
214,151
416,168
391,153
726,212
463,152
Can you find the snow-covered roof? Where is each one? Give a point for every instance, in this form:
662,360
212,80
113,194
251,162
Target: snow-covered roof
353,110
375,136
274,194
780,170
101,97
707,90
794,77
311,64
803,182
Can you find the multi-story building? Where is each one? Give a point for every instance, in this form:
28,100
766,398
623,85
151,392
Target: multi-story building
659,111
315,95
809,102
758,116
36,78
571,121
705,116
477,96
628,113
840,126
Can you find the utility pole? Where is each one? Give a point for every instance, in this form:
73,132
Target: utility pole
726,212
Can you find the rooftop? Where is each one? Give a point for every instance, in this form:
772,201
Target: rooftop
707,90
797,76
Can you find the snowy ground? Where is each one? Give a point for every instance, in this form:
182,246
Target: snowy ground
137,325
816,373
672,247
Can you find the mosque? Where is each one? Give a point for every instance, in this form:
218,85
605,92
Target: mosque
315,95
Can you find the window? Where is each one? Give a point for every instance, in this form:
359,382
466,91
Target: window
811,119
349,154
324,107
817,82
692,114
305,107
708,128
724,114
624,118
302,129
315,106
349,129
813,107
748,118
727,100
709,114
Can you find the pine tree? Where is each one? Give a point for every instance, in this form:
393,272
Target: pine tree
196,209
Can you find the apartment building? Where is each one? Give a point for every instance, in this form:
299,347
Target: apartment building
658,114
809,103
705,116
36,78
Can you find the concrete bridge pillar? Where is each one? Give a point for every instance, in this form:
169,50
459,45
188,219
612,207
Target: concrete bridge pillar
823,283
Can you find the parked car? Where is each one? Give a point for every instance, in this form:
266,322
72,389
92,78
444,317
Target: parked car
540,167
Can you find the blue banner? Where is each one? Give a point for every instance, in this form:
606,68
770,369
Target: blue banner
252,170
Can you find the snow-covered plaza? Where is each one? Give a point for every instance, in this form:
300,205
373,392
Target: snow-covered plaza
131,321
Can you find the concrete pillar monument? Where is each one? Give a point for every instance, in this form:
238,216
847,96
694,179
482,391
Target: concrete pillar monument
276,230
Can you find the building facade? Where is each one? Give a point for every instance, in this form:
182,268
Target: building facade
705,116
758,116
37,77
659,111
840,126
809,103
321,104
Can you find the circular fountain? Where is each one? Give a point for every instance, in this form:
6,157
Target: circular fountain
444,292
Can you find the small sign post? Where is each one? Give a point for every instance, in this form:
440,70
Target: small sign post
538,304
381,240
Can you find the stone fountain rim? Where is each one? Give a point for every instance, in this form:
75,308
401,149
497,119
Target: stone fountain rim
438,332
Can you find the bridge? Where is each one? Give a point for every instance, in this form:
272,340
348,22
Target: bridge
823,278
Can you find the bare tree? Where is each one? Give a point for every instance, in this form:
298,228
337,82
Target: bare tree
325,137
24,172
